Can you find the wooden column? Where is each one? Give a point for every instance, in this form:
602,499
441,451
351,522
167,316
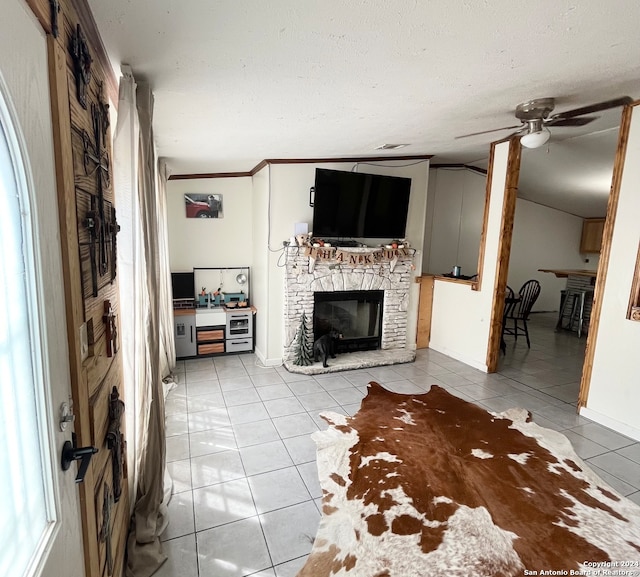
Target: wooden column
504,249
605,253
424,311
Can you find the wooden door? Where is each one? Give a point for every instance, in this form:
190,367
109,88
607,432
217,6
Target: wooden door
33,353
81,83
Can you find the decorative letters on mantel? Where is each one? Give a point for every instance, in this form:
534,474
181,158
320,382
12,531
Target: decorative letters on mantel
390,255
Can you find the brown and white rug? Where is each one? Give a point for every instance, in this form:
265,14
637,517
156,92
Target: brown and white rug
431,485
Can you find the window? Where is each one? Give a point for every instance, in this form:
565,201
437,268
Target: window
26,496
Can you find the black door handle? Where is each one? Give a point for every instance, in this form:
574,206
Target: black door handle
72,453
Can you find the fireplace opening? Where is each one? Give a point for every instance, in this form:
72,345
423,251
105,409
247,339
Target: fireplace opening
356,315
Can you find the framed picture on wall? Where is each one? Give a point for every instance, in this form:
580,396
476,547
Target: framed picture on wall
203,205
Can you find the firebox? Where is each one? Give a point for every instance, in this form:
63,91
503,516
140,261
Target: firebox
356,315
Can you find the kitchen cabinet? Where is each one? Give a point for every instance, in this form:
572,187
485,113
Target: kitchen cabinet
592,229
239,331
215,331
184,323
210,340
210,331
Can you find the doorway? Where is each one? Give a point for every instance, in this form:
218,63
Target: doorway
561,186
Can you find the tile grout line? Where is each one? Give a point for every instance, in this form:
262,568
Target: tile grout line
564,408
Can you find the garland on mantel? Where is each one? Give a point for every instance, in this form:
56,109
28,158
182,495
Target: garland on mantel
376,256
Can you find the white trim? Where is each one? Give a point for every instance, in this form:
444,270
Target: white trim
275,362
455,355
610,423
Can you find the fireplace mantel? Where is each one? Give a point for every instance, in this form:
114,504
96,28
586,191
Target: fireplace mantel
392,276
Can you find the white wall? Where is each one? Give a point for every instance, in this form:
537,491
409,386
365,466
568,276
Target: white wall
211,242
259,214
544,238
428,224
457,197
614,394
289,199
461,317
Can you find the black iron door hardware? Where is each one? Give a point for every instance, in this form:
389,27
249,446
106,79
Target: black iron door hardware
55,10
72,453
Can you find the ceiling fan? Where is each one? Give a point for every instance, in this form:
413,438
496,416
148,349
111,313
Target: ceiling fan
534,119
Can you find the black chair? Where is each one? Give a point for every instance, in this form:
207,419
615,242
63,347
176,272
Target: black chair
509,303
519,312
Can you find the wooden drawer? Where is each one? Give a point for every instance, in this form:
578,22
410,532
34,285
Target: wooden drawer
210,335
239,345
210,348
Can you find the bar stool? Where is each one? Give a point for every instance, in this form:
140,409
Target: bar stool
576,299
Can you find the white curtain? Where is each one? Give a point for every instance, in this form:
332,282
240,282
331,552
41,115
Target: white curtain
167,342
148,353
130,255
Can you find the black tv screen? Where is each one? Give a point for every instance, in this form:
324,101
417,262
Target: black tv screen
355,204
183,285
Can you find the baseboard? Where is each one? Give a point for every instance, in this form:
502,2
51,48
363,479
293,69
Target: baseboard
265,362
458,357
622,428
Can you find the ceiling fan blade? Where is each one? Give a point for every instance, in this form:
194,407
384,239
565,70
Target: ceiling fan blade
577,121
488,131
605,105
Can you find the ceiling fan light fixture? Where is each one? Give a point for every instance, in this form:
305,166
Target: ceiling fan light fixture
536,138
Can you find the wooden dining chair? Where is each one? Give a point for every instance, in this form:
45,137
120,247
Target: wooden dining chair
509,303
519,313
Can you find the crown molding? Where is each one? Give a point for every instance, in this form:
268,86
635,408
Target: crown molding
269,161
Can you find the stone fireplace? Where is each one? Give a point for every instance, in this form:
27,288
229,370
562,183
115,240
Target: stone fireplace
355,315
307,278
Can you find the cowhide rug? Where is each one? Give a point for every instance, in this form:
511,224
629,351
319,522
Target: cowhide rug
431,485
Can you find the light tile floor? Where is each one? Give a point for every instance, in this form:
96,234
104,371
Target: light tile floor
246,494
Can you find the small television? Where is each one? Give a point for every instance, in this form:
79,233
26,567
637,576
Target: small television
183,285
360,205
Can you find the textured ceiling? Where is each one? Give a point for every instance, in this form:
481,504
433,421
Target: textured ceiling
238,81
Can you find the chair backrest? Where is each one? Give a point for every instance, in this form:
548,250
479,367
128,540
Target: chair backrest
529,293
509,302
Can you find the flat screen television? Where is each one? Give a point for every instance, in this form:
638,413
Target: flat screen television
183,285
359,205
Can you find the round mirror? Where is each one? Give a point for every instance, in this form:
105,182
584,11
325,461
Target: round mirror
241,278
